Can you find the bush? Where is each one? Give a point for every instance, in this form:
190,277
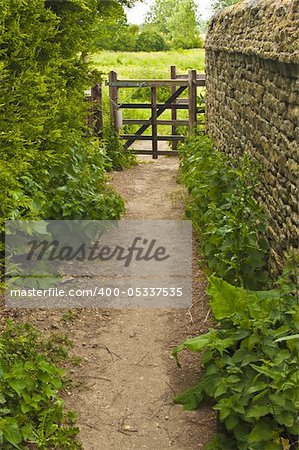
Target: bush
116,37
230,223
52,169
187,42
250,359
31,410
250,366
150,41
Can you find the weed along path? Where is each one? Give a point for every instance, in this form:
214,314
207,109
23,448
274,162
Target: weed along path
128,378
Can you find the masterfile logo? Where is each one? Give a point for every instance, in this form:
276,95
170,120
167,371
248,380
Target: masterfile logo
136,263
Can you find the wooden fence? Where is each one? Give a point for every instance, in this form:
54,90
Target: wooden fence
178,84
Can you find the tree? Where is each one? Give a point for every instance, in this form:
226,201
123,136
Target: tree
177,21
159,15
150,41
112,31
116,35
184,27
217,5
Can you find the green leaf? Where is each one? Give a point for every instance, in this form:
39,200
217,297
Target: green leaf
273,446
226,299
231,422
257,411
12,432
257,386
191,398
195,344
264,370
220,390
260,433
286,418
27,431
17,385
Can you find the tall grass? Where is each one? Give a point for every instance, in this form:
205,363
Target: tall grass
149,65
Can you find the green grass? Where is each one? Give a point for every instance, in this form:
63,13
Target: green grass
142,65
149,65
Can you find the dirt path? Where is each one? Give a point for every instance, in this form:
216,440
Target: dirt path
126,380
130,379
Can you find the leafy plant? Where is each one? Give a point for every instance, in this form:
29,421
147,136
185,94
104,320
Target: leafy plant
31,409
250,366
222,207
51,167
250,360
117,158
69,316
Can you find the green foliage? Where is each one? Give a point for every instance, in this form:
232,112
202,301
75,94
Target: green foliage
114,33
250,366
250,360
217,5
150,42
31,410
184,26
177,21
222,207
51,168
117,158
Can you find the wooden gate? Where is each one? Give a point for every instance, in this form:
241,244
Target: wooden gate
178,84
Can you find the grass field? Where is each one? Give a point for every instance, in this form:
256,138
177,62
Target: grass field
141,65
149,65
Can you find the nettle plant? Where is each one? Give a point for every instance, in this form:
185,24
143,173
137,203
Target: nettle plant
250,360
230,223
250,367
31,409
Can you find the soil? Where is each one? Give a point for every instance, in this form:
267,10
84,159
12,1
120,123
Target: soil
125,382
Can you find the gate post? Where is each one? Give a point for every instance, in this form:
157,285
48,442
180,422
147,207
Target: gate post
173,110
113,99
154,123
96,95
192,99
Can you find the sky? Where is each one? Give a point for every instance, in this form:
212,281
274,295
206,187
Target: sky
137,13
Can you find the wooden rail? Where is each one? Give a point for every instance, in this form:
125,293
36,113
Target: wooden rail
145,137
178,122
149,106
153,83
174,120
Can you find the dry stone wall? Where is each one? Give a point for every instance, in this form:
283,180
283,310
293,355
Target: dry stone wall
252,78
